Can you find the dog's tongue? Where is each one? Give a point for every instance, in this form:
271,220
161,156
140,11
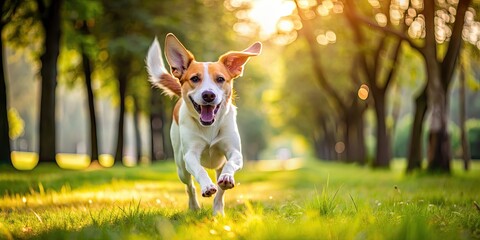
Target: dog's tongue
206,113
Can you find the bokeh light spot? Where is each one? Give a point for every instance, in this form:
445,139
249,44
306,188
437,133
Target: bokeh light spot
339,147
363,92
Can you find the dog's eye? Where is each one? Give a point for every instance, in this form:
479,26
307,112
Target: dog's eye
195,79
220,79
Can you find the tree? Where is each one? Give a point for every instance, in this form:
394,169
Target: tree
50,20
464,138
158,121
119,29
439,68
122,78
87,70
351,111
415,150
80,16
136,126
468,57
377,80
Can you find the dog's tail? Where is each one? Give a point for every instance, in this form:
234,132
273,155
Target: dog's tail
158,74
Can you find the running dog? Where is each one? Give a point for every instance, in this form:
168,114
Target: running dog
204,129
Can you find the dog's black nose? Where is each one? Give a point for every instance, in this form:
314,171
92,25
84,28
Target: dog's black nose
208,96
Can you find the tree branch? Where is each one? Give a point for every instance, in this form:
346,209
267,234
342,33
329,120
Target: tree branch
370,71
389,31
317,66
378,54
391,71
9,8
450,59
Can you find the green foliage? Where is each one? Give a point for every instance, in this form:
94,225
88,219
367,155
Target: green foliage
412,70
78,17
470,58
16,124
473,131
150,203
20,22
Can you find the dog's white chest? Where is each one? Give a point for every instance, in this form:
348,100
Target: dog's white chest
213,154
212,157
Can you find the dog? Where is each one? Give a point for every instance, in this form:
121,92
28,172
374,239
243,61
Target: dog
204,131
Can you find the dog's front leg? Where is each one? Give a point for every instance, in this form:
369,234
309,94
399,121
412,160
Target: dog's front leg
192,164
234,163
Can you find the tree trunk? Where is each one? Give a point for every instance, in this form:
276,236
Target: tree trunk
318,144
415,153
136,124
354,137
383,148
322,148
360,140
396,107
348,134
48,72
122,89
439,152
5,149
87,70
463,132
329,140
156,125
440,77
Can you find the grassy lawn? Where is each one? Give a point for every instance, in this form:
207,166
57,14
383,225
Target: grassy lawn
316,201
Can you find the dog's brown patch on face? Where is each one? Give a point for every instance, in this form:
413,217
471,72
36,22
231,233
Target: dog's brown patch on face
217,70
194,69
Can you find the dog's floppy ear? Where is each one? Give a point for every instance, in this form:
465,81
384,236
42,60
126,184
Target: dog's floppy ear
177,55
234,61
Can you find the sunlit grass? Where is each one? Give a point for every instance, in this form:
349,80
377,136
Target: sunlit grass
73,161
316,201
24,160
106,160
29,160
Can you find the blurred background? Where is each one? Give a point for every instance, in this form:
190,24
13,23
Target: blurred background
349,81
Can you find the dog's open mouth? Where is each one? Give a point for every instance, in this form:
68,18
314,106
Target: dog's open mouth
207,112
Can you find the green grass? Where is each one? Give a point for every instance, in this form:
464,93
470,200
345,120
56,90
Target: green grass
316,201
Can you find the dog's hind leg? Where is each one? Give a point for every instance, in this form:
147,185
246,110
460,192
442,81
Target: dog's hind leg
218,201
186,178
183,174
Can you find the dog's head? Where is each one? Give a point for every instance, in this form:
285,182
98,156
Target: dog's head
206,86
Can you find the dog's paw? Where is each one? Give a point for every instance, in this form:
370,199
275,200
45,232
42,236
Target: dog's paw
226,181
209,190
